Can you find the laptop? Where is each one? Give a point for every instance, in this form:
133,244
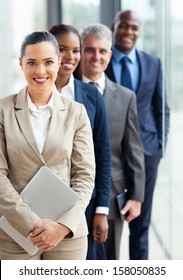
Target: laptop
49,197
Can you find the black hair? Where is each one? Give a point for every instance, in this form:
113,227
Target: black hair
37,37
60,29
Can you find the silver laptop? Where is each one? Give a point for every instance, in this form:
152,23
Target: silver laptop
49,197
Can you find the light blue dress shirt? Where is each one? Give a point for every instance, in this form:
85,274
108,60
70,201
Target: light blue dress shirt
133,65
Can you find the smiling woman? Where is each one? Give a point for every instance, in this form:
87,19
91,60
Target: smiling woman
40,62
96,213
68,40
46,130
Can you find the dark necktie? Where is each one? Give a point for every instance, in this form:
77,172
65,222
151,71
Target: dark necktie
126,77
93,83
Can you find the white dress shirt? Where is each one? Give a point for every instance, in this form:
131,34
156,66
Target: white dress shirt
40,120
100,83
68,90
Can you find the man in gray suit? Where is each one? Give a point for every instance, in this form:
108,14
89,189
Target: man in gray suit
127,152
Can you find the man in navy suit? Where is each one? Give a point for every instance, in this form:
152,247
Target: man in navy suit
153,114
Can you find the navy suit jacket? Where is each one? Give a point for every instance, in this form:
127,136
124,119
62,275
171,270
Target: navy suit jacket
94,103
152,107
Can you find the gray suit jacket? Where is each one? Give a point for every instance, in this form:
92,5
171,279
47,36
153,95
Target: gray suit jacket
127,151
68,151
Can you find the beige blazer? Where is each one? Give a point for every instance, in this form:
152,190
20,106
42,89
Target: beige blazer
68,151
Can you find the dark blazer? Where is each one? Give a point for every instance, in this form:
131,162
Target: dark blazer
94,103
127,150
151,103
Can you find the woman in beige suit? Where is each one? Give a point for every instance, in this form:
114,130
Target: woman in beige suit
39,127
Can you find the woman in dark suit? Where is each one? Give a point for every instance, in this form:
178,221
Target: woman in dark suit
69,44
39,127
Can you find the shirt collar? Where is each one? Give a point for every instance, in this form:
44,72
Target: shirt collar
100,82
85,79
118,55
69,87
33,108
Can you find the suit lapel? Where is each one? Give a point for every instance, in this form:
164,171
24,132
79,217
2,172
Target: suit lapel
110,73
142,70
110,96
79,96
22,116
55,123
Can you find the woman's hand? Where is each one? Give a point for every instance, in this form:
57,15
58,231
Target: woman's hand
46,234
100,228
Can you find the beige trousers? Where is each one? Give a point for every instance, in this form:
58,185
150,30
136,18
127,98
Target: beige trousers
68,249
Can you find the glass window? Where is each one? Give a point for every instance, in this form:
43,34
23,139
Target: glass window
79,12
162,26
23,17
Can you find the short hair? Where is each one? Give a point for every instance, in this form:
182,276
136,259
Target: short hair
118,15
38,37
99,31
